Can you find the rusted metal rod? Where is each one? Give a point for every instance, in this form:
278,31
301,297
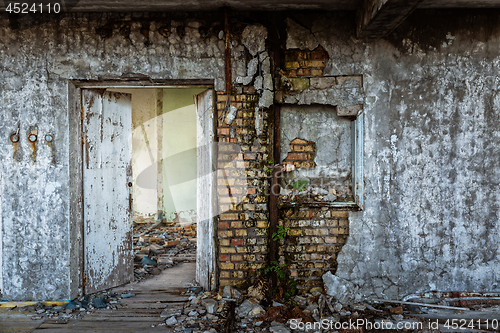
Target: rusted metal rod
420,304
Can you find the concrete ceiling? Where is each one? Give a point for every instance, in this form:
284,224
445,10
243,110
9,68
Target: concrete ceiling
267,5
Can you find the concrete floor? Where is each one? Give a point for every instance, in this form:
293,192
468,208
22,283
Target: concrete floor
138,314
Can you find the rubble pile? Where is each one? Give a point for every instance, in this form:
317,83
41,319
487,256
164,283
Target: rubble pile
232,311
162,245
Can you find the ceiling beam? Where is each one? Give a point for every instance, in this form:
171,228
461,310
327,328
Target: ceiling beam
377,18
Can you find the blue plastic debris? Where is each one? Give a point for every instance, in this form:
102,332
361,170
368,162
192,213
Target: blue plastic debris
148,261
70,305
99,303
128,295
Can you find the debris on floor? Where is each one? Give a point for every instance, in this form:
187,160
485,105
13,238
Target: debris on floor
231,310
77,308
162,245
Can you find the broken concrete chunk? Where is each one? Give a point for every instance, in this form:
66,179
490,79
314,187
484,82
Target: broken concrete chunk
254,38
266,99
268,82
258,84
266,63
127,295
210,305
171,321
233,110
230,292
250,308
253,65
256,312
343,290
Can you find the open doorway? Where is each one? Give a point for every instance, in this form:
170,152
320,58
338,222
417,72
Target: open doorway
145,150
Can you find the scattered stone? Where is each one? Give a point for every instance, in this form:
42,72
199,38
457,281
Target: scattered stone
171,321
127,295
256,311
344,291
230,292
337,307
209,304
250,308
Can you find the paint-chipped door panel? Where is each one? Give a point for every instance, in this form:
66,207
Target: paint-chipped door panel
205,252
107,172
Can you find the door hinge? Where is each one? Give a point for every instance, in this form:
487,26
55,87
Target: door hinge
84,282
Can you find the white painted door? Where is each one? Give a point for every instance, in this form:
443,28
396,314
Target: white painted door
205,198
107,177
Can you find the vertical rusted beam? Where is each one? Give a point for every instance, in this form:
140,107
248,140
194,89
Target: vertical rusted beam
227,52
276,38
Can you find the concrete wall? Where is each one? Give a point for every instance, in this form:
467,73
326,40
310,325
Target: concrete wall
431,218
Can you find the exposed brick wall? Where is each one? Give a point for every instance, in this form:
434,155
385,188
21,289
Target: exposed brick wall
300,63
241,184
302,154
310,249
317,233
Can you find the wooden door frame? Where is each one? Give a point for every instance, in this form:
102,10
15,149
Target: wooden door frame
76,151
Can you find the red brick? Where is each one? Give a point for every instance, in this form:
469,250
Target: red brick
171,243
223,225
224,257
237,241
223,131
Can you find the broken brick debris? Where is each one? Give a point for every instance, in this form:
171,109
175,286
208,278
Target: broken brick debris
161,245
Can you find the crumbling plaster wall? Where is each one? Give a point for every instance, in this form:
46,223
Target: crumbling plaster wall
39,56
432,131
